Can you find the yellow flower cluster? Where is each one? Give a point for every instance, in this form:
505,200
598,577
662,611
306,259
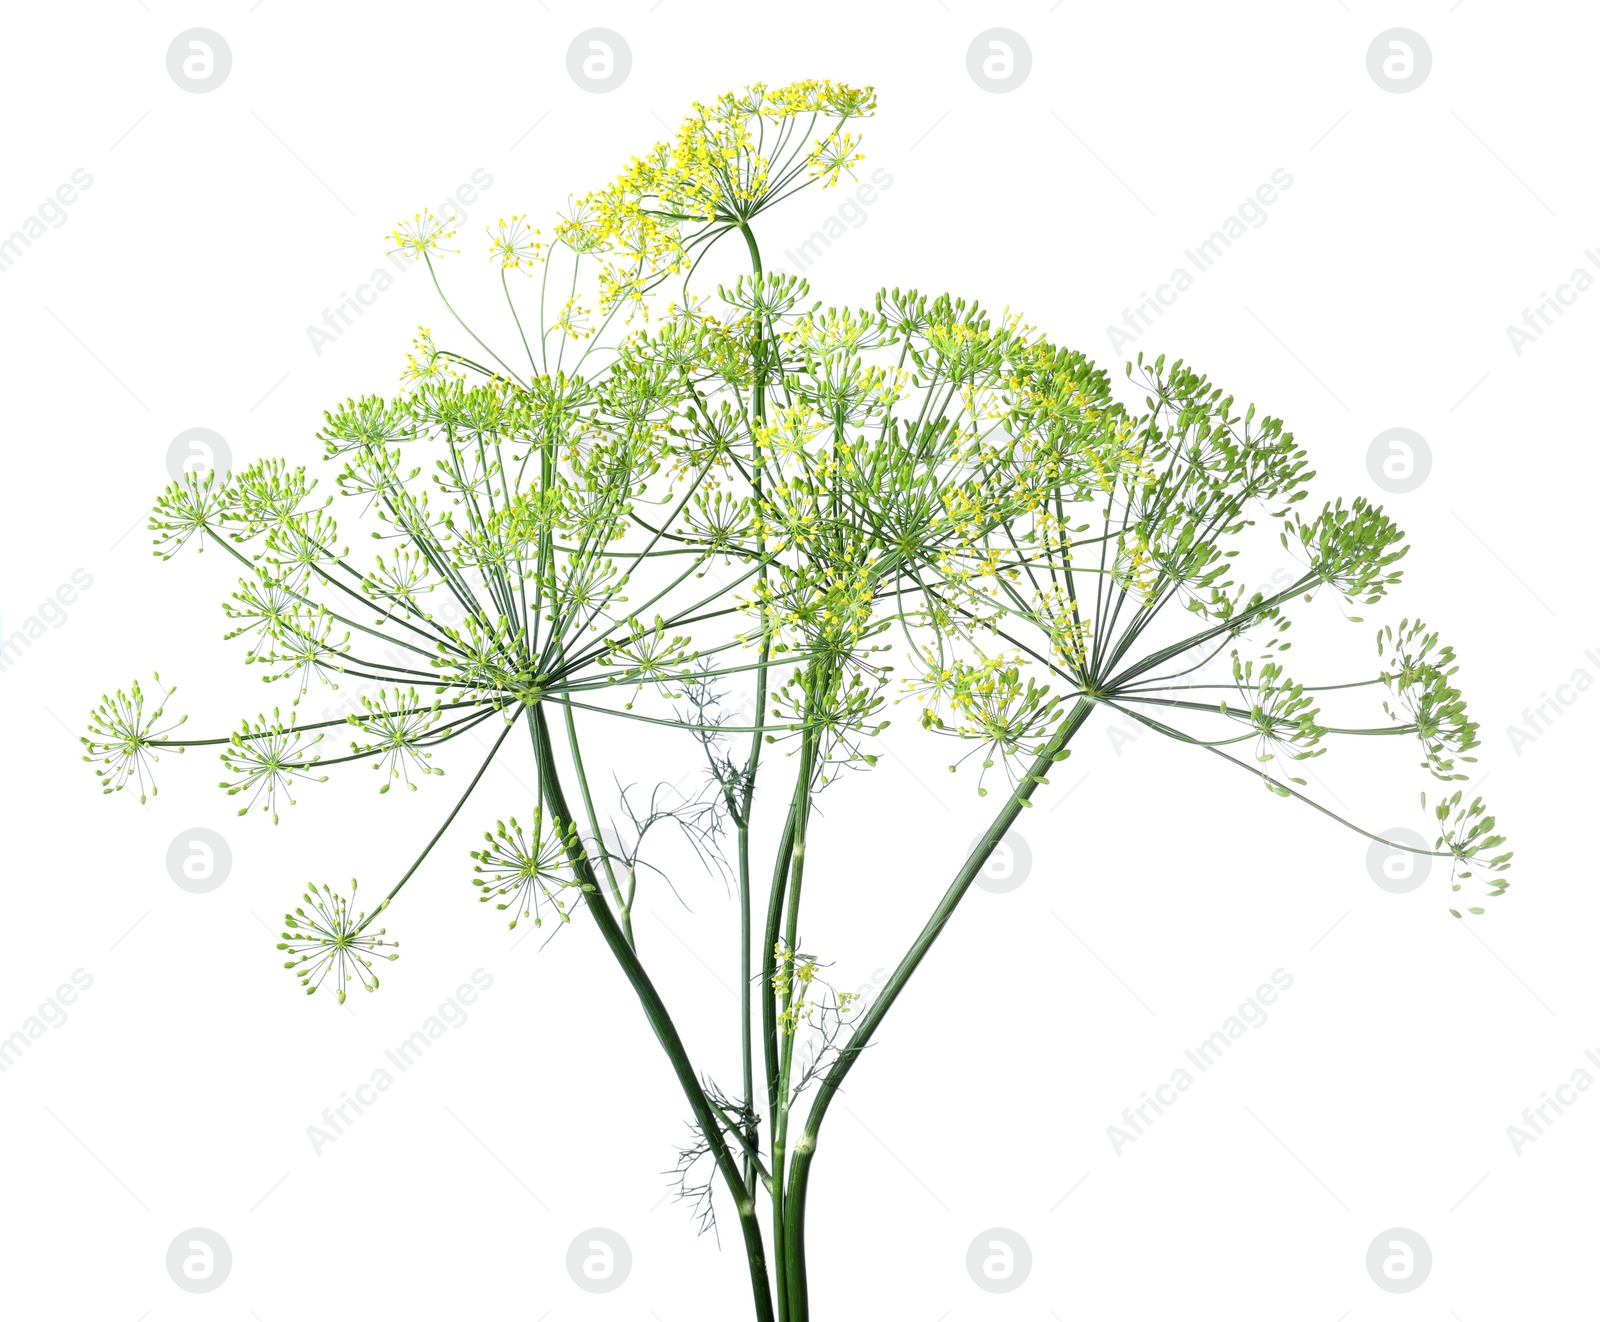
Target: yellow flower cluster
1068,632
728,159
422,234
789,432
512,242
792,978
426,362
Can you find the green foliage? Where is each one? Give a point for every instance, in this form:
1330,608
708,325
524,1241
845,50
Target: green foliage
759,488
819,513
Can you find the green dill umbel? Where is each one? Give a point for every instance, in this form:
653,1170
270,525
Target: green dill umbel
763,525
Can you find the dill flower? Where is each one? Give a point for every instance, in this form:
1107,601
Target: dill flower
1467,833
833,156
123,735
1281,715
513,244
269,606
424,233
365,423
395,725
268,757
1423,695
195,503
426,362
573,320
527,868
332,939
730,160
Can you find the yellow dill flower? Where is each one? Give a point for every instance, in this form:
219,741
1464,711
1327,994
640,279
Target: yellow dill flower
725,164
426,362
834,155
512,242
574,320
422,234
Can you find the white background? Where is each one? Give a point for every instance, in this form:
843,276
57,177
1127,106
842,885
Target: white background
177,294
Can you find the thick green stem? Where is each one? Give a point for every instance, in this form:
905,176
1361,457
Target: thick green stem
660,1020
769,1031
774,927
805,1145
753,762
758,405
791,940
751,1130
781,1098
624,905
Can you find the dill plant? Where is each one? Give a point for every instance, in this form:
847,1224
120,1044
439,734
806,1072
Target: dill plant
652,496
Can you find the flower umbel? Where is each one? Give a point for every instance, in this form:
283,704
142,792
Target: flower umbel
268,756
424,233
395,727
122,735
1467,834
328,936
195,503
512,243
528,869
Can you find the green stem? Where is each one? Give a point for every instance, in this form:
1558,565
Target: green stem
751,1131
769,1034
805,1145
782,1222
660,1020
752,766
624,906
467,794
